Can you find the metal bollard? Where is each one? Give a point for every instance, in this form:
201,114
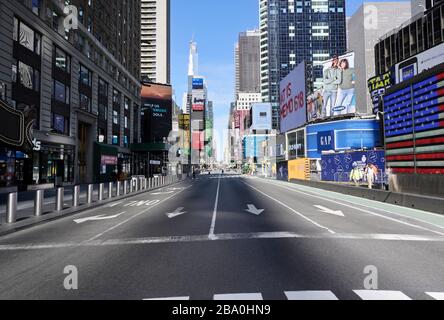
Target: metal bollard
145,183
11,208
110,190
125,187
150,183
76,196
90,193
38,203
59,199
131,186
101,189
119,183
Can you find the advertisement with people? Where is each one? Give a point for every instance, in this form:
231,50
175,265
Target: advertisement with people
293,109
354,167
338,95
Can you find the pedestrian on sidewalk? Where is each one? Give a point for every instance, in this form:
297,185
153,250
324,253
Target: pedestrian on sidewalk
370,172
355,174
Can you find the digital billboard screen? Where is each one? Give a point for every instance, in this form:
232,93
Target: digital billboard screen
293,108
198,100
262,116
337,96
198,83
377,87
156,112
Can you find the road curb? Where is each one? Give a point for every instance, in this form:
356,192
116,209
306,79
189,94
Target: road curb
32,221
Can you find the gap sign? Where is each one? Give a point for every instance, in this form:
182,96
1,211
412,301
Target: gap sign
326,141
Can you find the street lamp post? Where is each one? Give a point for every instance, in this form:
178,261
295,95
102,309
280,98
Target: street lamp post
380,116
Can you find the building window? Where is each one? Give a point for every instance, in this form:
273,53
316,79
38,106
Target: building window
115,117
103,112
61,92
115,140
36,6
85,102
60,124
62,60
85,76
27,76
103,88
26,36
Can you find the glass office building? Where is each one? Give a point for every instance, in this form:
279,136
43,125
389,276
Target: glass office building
296,31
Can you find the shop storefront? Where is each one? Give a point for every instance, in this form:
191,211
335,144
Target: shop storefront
105,163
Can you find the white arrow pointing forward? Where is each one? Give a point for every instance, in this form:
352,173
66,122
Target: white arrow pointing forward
329,211
176,213
252,209
98,218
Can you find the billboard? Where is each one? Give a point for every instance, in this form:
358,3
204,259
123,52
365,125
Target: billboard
198,100
296,144
419,63
338,95
326,141
337,167
293,108
185,132
198,83
253,146
377,87
156,112
262,116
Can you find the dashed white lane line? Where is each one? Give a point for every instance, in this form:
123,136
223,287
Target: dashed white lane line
310,295
213,221
291,209
436,295
239,296
134,216
364,210
380,295
169,299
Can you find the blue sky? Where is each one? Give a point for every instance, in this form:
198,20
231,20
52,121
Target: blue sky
215,26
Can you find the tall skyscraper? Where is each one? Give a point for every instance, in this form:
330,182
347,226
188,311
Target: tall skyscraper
364,34
155,40
296,31
248,61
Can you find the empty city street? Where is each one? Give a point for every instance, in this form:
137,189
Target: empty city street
230,237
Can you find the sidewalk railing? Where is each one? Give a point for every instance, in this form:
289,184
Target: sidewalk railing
114,190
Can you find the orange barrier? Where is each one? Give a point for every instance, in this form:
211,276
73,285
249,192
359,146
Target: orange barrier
299,169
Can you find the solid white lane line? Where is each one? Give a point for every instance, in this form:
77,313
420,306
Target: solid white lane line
310,295
169,299
135,216
366,211
221,237
239,296
291,209
213,221
436,295
380,295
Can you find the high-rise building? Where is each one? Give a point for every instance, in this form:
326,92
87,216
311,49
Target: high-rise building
77,68
296,31
364,33
155,40
248,62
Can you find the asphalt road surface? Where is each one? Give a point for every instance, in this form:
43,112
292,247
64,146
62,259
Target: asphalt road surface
230,237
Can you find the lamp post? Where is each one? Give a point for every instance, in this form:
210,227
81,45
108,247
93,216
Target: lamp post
380,116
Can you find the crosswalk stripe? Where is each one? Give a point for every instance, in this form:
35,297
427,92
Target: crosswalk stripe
436,295
169,299
310,295
381,295
239,296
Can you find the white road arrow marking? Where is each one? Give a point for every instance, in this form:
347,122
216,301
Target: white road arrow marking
252,209
329,211
115,204
98,218
176,213
160,193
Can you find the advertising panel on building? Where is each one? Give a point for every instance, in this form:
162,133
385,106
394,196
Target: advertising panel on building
377,87
156,111
326,141
293,108
282,171
198,83
419,63
261,116
198,100
337,167
338,96
253,146
185,133
296,144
